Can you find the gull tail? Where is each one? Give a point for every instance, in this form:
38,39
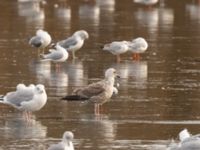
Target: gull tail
74,98
2,99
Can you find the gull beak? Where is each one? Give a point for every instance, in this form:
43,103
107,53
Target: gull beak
118,76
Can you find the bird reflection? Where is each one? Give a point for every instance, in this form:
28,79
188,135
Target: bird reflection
19,128
32,12
107,5
89,13
136,70
193,10
63,13
154,17
75,71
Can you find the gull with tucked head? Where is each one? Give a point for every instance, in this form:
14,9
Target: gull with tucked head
138,46
117,48
75,42
41,40
98,92
27,99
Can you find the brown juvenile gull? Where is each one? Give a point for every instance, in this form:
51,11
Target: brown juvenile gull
98,92
65,144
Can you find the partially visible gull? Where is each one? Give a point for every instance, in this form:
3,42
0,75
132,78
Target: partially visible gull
146,2
41,40
65,144
27,99
56,55
75,42
117,48
137,46
187,142
98,92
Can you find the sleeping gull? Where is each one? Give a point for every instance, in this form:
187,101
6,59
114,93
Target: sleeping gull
117,48
187,142
27,99
65,144
56,55
98,92
41,40
137,46
75,42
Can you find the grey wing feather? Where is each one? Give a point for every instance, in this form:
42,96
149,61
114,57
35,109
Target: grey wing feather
56,147
16,98
54,55
71,41
35,41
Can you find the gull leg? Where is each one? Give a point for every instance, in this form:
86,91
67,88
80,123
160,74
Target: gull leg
73,55
96,109
136,56
118,58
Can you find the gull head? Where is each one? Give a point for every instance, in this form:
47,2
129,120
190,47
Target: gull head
68,136
82,33
111,73
184,134
20,86
40,88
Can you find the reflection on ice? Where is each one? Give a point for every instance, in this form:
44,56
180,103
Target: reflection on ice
32,12
89,13
18,128
136,70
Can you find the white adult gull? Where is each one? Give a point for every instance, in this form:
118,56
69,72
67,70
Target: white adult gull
27,99
41,40
98,92
138,46
65,144
75,42
117,48
187,142
59,54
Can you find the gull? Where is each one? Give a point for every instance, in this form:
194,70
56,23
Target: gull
65,144
75,42
26,99
41,40
98,92
117,48
187,142
146,2
56,55
137,46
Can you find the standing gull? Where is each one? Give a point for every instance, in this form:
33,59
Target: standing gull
137,46
27,99
56,55
41,40
187,142
75,42
98,92
117,48
65,144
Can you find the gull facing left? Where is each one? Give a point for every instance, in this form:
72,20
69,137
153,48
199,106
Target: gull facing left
117,48
41,40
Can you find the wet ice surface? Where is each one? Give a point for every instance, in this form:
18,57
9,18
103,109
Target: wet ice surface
158,95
